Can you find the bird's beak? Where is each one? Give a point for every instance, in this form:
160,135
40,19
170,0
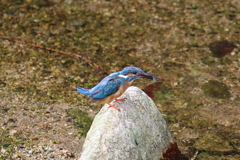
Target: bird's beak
148,76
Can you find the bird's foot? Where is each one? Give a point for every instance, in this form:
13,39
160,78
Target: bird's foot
113,106
121,99
116,100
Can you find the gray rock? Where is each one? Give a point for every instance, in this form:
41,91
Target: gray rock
137,132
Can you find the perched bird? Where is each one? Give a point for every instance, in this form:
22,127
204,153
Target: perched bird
114,85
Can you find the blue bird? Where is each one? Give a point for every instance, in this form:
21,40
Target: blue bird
114,85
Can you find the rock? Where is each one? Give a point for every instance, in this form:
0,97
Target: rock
222,48
137,132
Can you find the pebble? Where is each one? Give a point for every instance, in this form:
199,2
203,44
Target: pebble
51,156
3,151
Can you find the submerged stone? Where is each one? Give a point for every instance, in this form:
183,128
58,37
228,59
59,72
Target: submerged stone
222,48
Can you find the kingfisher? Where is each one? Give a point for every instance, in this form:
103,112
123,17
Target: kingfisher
114,85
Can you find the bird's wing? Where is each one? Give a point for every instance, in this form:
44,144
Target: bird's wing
106,87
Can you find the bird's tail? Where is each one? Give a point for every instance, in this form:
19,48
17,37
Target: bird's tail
83,91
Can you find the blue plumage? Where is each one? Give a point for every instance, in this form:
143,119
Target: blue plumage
115,84
83,91
106,87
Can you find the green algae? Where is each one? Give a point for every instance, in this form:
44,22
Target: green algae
81,121
9,143
207,156
213,142
165,94
216,89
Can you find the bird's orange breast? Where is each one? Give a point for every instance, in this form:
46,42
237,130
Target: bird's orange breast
121,90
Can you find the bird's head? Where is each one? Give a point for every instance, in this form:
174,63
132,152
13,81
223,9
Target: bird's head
131,73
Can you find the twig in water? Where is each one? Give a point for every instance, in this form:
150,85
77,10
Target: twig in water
55,50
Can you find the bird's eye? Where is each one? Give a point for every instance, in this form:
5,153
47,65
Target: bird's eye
134,72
